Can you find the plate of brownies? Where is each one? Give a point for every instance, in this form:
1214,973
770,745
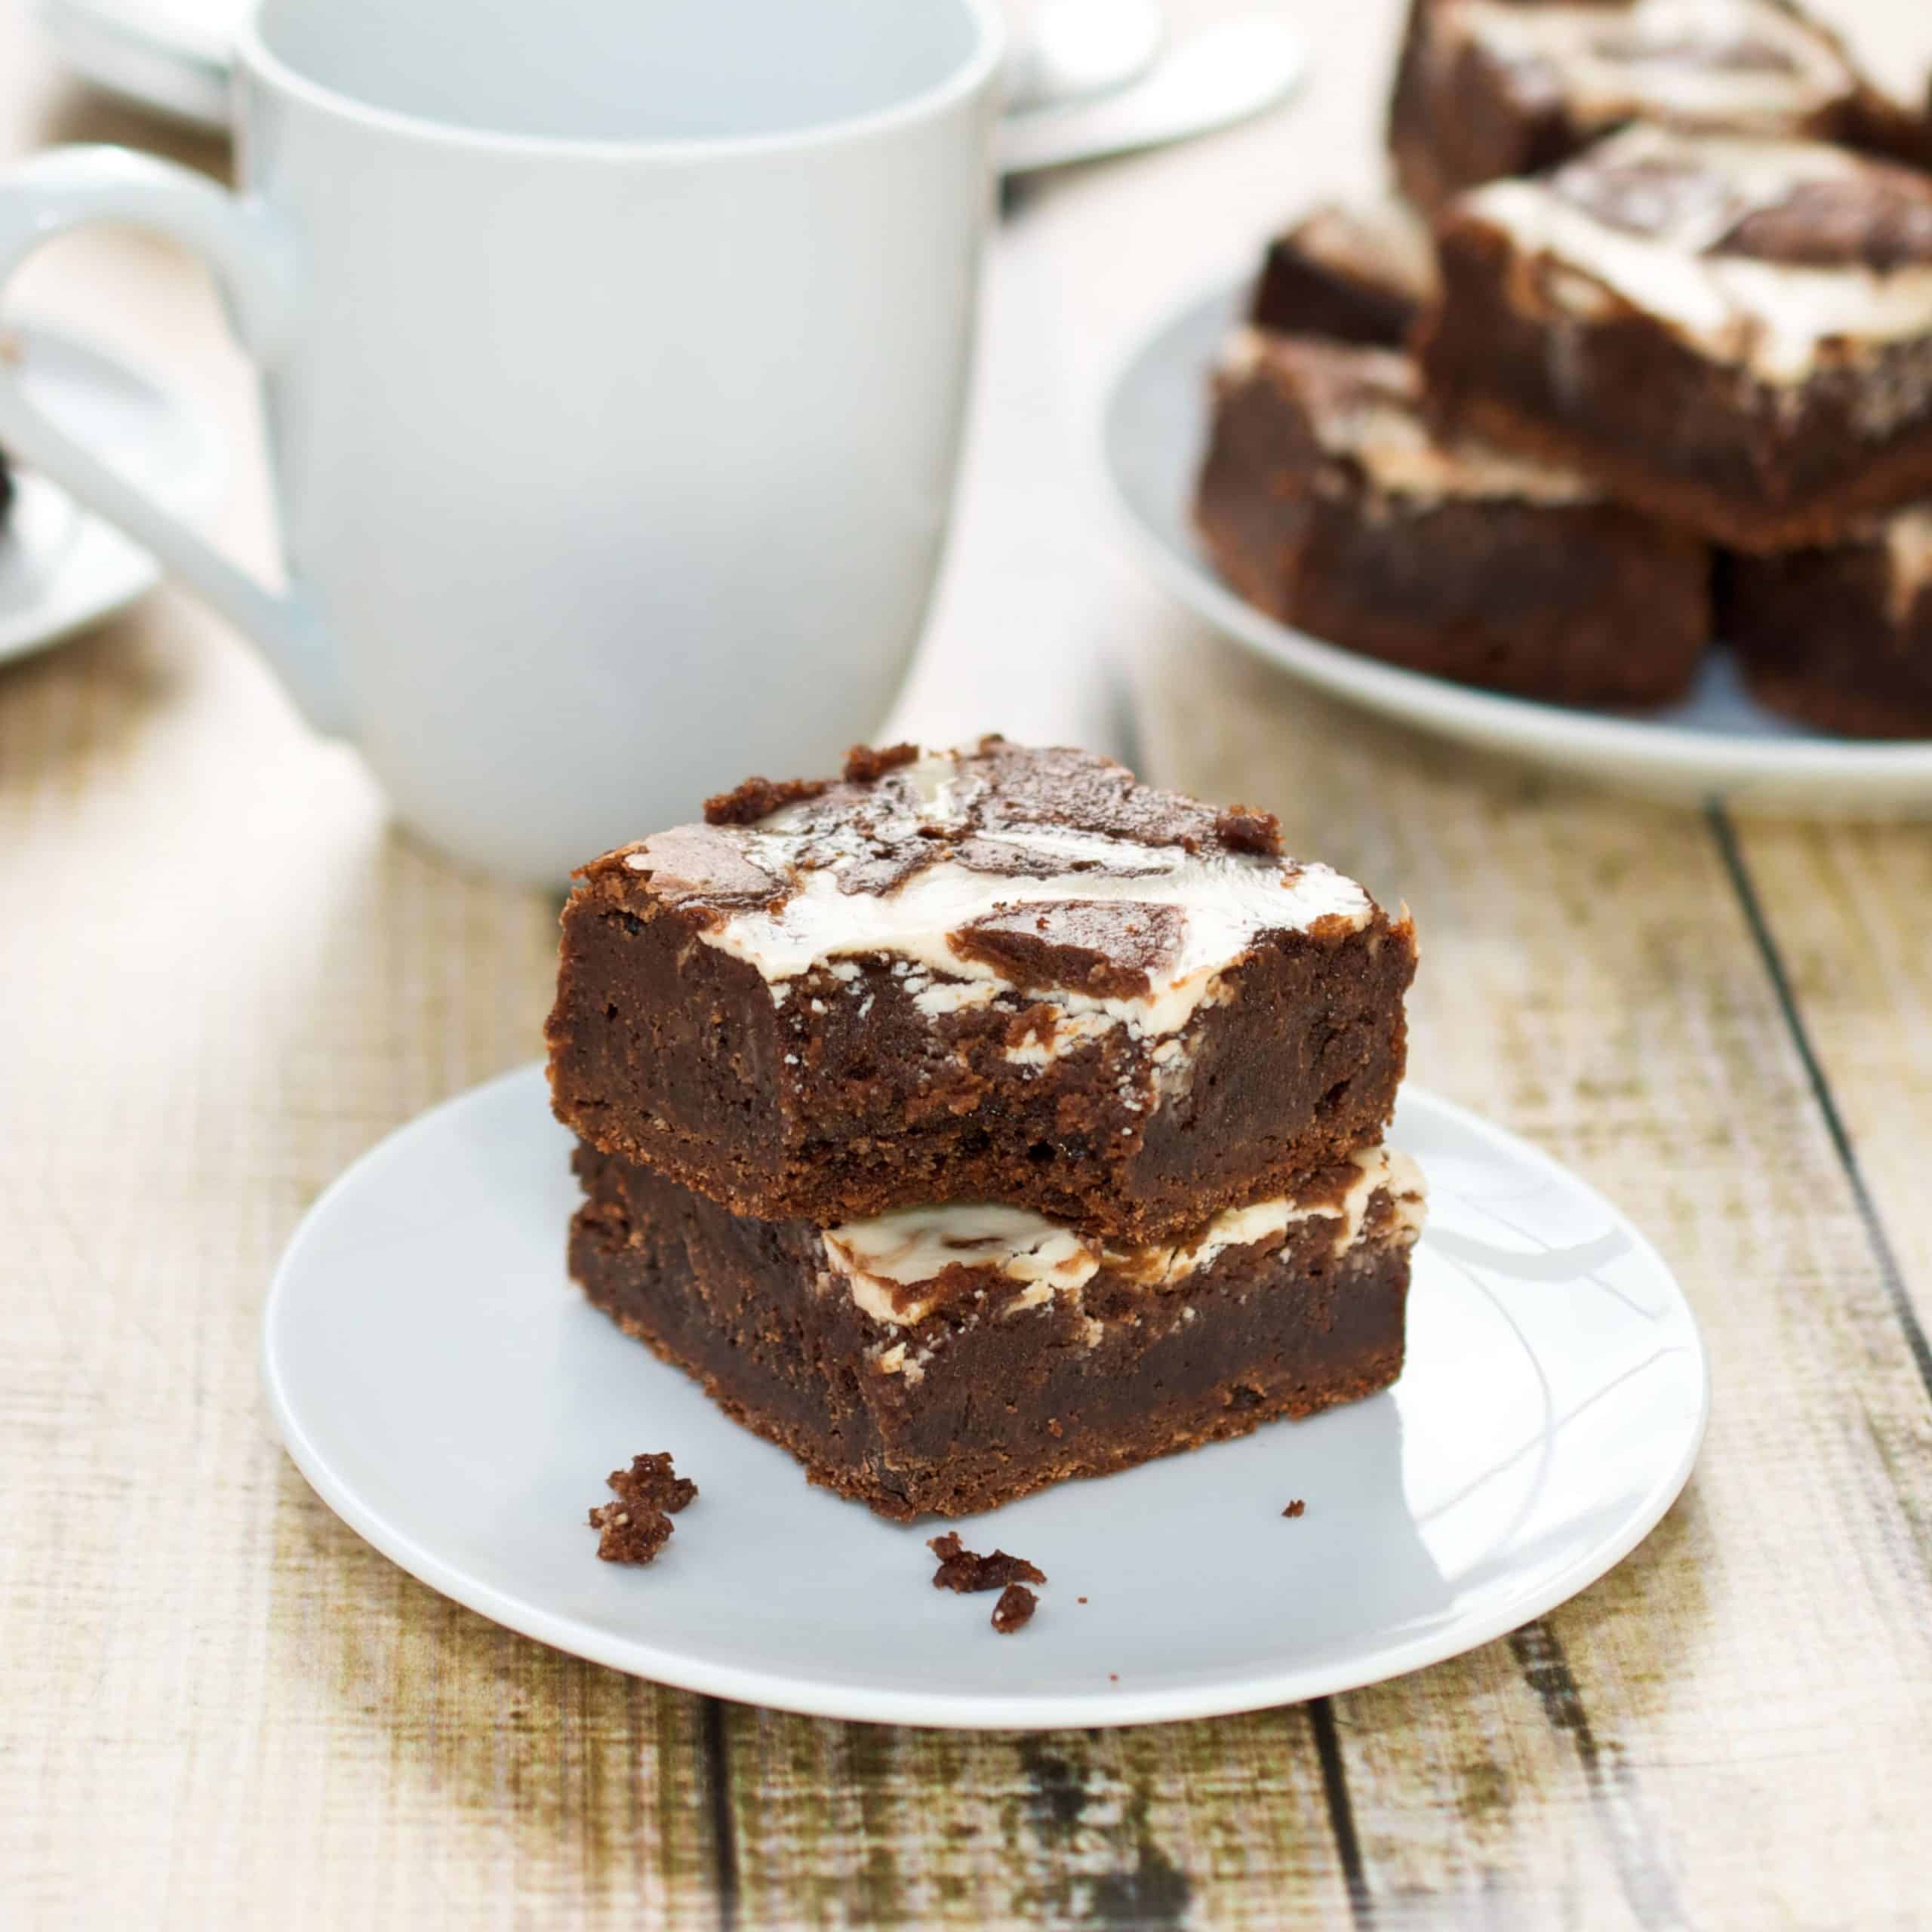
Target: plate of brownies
1611,447
982,1171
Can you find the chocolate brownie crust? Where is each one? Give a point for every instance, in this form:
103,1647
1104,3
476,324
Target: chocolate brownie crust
990,1395
1040,1051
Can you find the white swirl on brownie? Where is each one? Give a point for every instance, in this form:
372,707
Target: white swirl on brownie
1366,406
1748,65
1908,537
932,870
1676,199
894,1264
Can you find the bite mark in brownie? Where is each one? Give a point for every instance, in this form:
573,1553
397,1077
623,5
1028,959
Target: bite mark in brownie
964,1356
1486,89
1355,274
1331,501
964,1569
635,1527
999,973
1015,1609
1734,334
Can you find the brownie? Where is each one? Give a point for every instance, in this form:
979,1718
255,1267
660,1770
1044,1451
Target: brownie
999,975
949,1359
1329,501
1486,89
1357,274
1841,638
1736,335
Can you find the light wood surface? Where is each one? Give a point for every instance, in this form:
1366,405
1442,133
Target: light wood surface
224,977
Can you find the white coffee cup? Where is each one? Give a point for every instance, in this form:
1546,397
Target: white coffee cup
614,357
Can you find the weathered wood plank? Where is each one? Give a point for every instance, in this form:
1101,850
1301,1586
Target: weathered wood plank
1166,1825
1847,917
1590,976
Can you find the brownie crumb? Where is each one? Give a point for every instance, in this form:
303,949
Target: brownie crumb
1295,1508
1247,829
863,763
960,1569
1079,1599
1015,1609
637,1525
1113,1677
759,798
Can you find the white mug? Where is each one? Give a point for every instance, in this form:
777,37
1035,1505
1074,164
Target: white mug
614,357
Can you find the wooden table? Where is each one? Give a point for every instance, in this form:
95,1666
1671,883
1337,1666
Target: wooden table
224,977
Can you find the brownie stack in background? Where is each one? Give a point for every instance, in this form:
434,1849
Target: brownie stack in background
982,1118
1656,367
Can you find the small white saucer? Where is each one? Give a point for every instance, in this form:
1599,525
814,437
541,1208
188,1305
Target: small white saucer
171,56
450,1397
60,568
1717,743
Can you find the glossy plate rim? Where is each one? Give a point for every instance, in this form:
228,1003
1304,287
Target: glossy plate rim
1659,757
1029,1710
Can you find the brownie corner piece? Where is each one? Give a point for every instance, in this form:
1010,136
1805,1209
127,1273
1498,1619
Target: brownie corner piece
1000,973
1356,273
1733,334
1840,638
1332,501
1489,89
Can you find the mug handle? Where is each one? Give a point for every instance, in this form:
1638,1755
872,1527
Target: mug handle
252,261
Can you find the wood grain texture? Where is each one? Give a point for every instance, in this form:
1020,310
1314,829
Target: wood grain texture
225,976
1675,1745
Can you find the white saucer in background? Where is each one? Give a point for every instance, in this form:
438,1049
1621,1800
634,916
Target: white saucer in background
60,568
171,56
451,1396
1716,744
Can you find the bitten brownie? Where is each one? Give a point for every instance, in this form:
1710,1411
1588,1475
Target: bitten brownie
1489,88
1329,501
1734,334
999,973
1356,274
948,1359
1840,638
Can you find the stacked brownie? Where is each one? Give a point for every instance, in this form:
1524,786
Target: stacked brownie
1672,341
1486,89
984,1118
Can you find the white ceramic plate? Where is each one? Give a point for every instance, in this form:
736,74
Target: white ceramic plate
60,569
437,1379
1716,744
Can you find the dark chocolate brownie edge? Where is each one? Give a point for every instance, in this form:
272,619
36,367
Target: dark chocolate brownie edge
1454,121
1755,476
1821,640
668,1053
1588,603
1008,1406
1296,294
